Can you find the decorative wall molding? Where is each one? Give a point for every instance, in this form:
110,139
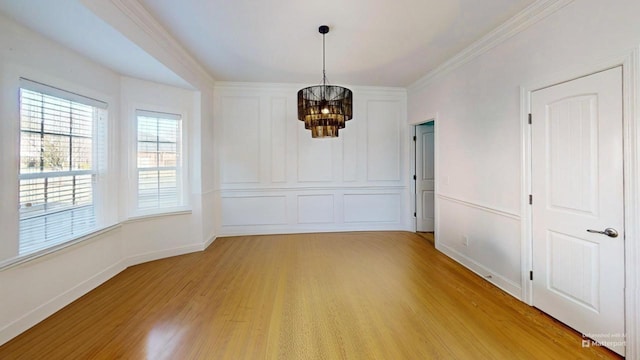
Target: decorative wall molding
309,211
312,176
311,156
255,210
316,208
377,147
350,154
481,237
493,210
372,208
311,188
278,150
518,23
241,127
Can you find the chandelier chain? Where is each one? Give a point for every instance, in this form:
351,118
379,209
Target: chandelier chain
324,70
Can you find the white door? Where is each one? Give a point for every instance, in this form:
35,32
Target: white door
424,177
577,185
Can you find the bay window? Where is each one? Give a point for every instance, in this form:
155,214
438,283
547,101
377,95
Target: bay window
58,165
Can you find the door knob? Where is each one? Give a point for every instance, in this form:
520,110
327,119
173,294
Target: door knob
610,232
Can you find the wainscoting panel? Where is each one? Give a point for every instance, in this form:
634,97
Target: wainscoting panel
315,157
254,210
383,140
377,208
280,211
350,151
275,178
486,240
316,209
241,139
278,139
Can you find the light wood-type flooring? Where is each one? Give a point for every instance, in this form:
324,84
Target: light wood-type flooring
360,295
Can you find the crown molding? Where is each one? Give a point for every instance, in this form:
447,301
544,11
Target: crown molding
152,27
518,23
154,30
294,87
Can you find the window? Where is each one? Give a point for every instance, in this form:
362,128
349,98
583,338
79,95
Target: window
58,163
159,162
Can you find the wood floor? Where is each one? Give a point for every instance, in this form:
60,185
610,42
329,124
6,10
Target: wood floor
366,295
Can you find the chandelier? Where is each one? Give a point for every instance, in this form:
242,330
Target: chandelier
324,108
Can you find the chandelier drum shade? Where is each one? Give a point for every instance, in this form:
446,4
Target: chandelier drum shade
325,108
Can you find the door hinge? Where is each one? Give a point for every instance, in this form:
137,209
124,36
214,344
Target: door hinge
414,138
414,177
529,118
415,215
530,199
531,275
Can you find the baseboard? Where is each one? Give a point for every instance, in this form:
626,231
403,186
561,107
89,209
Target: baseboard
503,283
210,241
265,230
166,253
47,309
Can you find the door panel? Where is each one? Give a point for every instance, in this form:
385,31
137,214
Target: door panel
428,208
573,269
577,184
425,183
573,153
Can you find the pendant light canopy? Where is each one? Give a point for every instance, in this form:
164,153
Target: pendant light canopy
324,108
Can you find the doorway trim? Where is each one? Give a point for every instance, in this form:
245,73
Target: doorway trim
630,63
412,169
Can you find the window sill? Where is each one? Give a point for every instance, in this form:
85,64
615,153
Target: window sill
13,262
7,264
149,216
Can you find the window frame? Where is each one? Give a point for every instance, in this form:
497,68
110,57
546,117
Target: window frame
183,187
99,159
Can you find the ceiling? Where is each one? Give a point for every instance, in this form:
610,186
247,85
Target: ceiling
71,24
371,42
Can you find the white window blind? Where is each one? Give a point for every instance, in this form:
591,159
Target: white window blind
159,161
57,165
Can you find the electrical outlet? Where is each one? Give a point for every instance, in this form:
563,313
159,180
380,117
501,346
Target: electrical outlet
465,240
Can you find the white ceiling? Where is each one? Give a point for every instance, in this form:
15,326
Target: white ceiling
371,42
71,24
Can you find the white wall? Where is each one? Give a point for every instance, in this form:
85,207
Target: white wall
274,178
32,290
479,130
203,165
151,238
